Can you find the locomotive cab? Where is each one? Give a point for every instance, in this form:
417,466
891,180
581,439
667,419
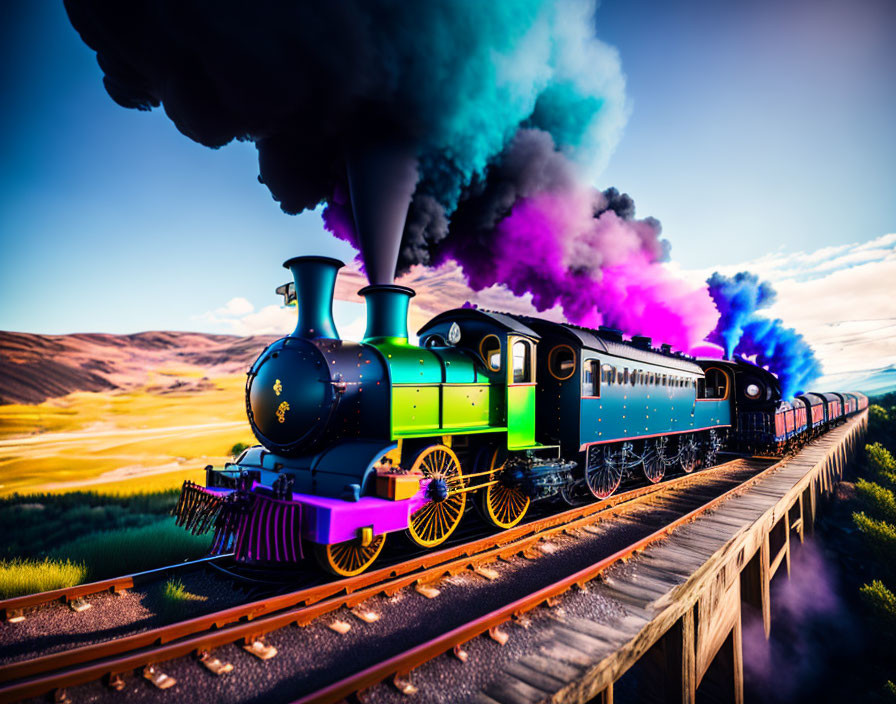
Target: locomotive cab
504,352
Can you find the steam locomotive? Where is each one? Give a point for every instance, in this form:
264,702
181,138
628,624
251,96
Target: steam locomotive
362,440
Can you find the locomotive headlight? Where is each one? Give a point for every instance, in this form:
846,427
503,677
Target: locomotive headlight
752,391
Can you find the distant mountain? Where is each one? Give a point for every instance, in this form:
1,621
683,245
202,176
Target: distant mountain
34,368
871,383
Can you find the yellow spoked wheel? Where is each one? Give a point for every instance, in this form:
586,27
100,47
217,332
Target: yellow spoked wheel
436,520
349,558
502,506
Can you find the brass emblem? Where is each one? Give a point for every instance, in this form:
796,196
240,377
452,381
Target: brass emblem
278,387
281,411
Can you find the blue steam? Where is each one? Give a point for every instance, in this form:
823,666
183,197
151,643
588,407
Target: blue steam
782,350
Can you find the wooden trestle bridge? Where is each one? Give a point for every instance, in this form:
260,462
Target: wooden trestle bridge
684,597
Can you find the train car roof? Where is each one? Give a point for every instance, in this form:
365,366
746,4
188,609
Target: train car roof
593,340
813,398
830,396
502,320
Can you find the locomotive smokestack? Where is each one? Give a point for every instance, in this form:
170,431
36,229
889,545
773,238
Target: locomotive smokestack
387,312
315,279
381,181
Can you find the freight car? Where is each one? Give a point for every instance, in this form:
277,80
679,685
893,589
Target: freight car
362,440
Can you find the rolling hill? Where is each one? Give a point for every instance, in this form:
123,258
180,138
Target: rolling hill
34,368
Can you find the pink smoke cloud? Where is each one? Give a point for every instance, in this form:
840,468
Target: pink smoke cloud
602,270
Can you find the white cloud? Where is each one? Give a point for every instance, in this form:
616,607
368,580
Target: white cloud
841,299
270,320
239,317
235,307
781,266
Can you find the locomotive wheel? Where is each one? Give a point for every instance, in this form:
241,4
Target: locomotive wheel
501,505
603,470
688,456
349,558
436,520
654,463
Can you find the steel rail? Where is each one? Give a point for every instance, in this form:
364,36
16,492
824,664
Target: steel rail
114,584
59,670
403,663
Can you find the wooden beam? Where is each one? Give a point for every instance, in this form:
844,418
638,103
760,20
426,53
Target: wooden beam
604,697
807,499
737,645
754,585
786,547
674,659
688,657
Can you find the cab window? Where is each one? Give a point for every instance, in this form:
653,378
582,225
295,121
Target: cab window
714,384
490,351
522,362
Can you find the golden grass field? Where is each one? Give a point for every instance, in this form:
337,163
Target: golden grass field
121,442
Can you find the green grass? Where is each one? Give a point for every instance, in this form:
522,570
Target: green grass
176,600
37,524
56,540
18,577
124,551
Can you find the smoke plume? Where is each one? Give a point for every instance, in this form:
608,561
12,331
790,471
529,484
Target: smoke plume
309,82
737,299
505,109
742,330
572,248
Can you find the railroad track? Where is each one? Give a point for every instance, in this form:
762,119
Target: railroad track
249,622
399,666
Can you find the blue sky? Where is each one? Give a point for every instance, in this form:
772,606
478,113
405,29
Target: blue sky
756,128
